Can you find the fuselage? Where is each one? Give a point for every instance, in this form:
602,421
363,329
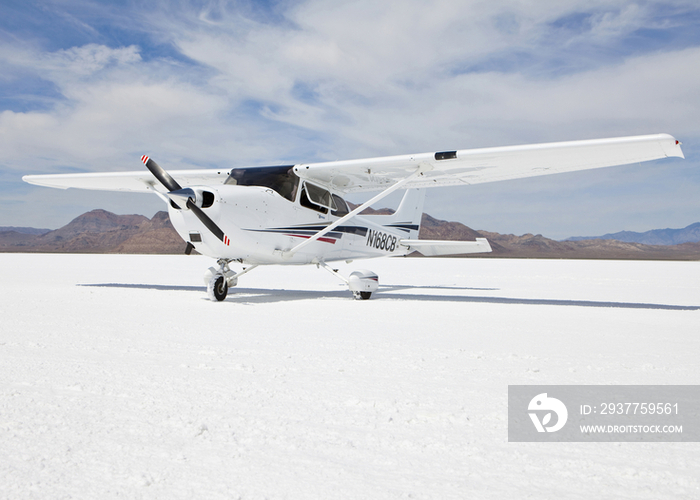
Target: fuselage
260,223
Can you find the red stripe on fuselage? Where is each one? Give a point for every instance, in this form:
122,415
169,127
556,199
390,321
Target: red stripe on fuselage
325,240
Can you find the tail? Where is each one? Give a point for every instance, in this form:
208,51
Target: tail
407,217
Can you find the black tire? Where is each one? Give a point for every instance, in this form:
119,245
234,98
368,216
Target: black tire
365,295
217,288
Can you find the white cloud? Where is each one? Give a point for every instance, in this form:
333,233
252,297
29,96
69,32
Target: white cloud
87,60
386,70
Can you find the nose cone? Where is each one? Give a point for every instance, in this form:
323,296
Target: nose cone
180,196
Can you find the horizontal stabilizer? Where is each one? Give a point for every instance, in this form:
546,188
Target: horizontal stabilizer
432,248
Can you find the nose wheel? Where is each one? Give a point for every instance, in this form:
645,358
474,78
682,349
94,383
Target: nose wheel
217,288
219,280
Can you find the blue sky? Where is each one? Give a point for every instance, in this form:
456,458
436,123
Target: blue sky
91,86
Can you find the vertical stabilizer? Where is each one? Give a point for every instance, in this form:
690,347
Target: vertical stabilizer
407,217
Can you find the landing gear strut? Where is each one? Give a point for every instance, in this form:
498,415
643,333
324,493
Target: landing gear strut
361,283
219,280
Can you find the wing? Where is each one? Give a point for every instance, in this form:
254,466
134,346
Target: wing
476,166
141,181
468,166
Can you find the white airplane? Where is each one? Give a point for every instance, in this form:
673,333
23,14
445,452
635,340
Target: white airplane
296,214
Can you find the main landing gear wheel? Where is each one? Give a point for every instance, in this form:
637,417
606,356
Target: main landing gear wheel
362,283
217,288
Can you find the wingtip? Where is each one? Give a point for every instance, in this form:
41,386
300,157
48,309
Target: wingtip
678,151
671,146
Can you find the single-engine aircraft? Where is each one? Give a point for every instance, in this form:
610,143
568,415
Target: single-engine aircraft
296,214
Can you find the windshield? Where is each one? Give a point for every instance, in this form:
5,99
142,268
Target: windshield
282,179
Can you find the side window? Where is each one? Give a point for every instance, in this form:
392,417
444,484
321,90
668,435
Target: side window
341,208
321,200
318,195
306,197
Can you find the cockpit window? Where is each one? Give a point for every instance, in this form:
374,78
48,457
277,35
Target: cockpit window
310,195
341,207
319,196
282,179
321,200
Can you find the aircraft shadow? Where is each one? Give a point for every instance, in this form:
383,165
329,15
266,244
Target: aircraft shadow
386,292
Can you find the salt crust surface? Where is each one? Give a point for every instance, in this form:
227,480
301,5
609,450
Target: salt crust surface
119,379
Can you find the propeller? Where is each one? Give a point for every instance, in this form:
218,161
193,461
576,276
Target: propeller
187,195
163,176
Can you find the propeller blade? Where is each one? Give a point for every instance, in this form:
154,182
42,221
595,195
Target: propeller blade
176,190
210,224
160,174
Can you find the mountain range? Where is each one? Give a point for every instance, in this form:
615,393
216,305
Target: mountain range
23,230
100,231
689,234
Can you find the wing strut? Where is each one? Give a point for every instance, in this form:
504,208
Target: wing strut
423,167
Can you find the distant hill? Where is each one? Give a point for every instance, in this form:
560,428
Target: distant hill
100,231
23,230
537,246
690,234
